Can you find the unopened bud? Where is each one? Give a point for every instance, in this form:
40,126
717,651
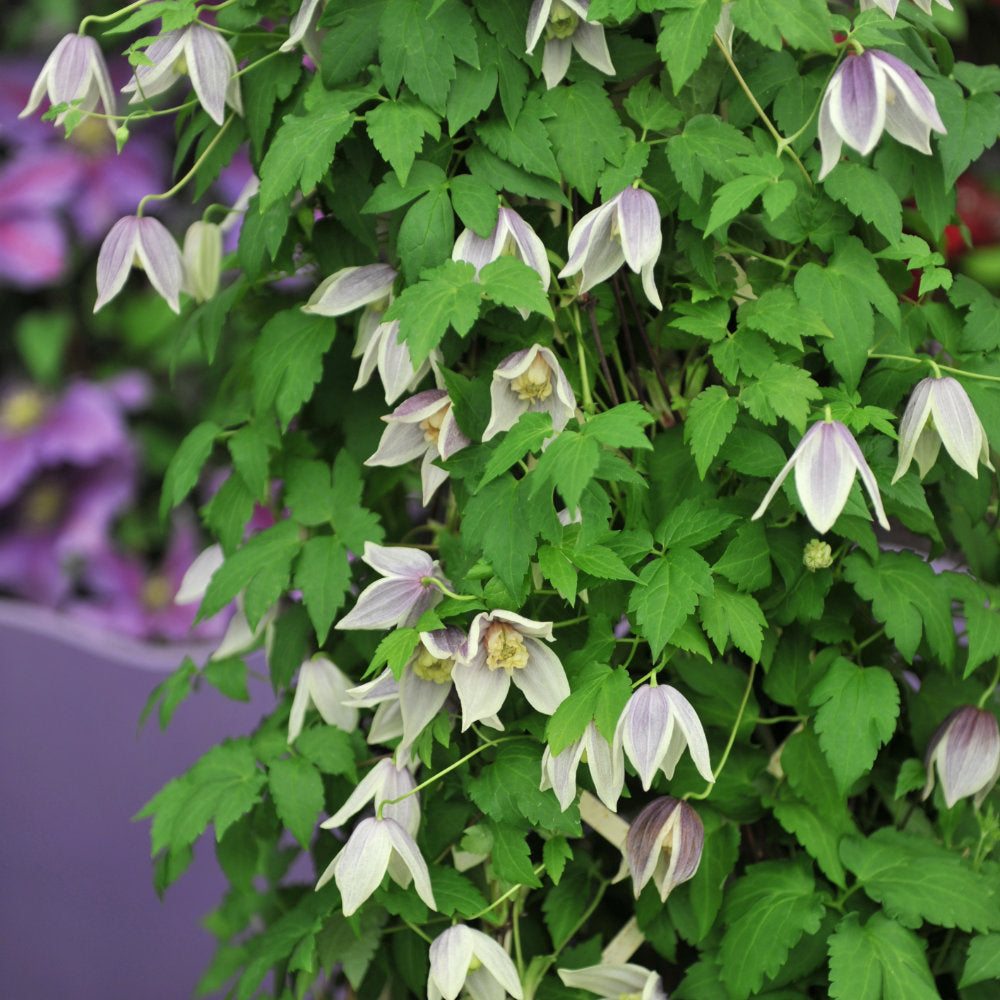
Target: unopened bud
817,555
966,751
202,260
664,843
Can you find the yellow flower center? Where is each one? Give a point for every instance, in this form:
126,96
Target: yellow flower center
562,21
156,593
890,95
91,135
180,66
43,505
429,668
505,648
536,382
432,425
474,964
23,409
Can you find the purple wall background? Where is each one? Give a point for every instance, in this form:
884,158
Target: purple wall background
78,914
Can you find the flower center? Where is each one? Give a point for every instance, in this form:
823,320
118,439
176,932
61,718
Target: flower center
536,382
890,94
180,66
505,648
474,964
156,593
432,425
21,410
43,504
562,21
429,668
91,135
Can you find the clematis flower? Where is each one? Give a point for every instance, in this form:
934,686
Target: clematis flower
724,29
624,230
607,769
202,259
940,412
613,982
403,596
890,6
302,29
351,288
145,241
505,647
566,28
531,380
75,71
511,237
871,93
966,751
825,461
463,958
423,425
383,783
324,685
200,52
655,727
664,843
377,846
384,352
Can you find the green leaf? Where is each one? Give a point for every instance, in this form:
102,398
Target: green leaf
568,463
620,427
250,450
559,571
555,853
649,108
916,880
287,361
454,893
747,560
780,315
585,132
600,561
686,30
447,295
668,591
395,649
426,234
730,614
880,961
782,391
857,714
767,911
972,123
576,712
353,523
494,523
692,523
710,418
471,94
330,749
983,624
526,144
323,574
803,24
525,437
229,677
303,147
297,790
510,282
816,834
868,194
185,466
390,194
350,40
309,492
734,197
983,961
907,596
476,203
511,856
707,145
397,130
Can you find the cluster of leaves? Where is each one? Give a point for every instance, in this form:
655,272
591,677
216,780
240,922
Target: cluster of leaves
822,871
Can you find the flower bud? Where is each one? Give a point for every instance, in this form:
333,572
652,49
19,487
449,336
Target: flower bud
817,555
966,751
202,260
664,843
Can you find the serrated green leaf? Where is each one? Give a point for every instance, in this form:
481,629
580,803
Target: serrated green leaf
185,466
526,144
972,123
555,853
512,283
511,855
250,451
454,893
649,108
815,833
620,427
323,574
476,203
868,194
397,130
559,571
983,624
567,464
494,523
747,560
803,24
350,39
686,30
730,614
983,961
782,317
330,749
692,523
525,437
711,416
297,790
471,94
426,234
781,391
602,562
734,197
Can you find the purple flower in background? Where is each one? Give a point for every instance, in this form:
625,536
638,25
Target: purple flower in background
204,54
871,93
75,72
966,751
403,596
566,28
146,240
531,380
825,461
624,230
664,843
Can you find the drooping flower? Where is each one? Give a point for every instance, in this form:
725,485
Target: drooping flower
607,769
613,982
324,685
200,52
965,748
463,958
202,258
531,380
351,288
146,241
624,230
724,29
655,727
871,93
383,783
940,412
423,425
511,237
302,28
384,352
825,461
403,596
505,647
566,28
377,846
75,71
890,6
664,843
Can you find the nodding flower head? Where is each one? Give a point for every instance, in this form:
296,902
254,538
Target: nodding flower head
664,843
965,749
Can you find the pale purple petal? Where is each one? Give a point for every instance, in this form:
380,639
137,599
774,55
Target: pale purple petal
639,227
830,142
538,18
432,477
858,102
646,726
384,604
163,53
199,574
497,963
910,92
212,65
400,443
555,60
505,407
543,680
478,251
375,691
532,249
297,713
589,41
957,424
404,845
451,437
450,957
580,238
824,473
161,259
912,424
607,766
350,288
397,560
607,980
846,440
559,772
115,259
481,691
328,686
361,865
420,701
688,723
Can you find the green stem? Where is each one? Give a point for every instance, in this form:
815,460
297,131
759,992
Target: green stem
102,18
194,169
416,930
935,366
991,687
428,581
732,736
510,892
